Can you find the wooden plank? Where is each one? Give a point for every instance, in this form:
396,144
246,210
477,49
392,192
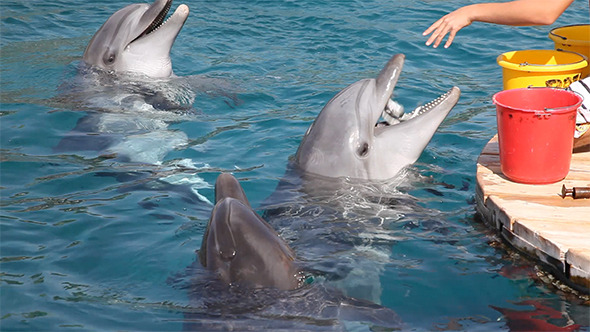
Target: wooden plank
551,238
492,147
536,219
580,276
524,210
536,252
543,197
580,259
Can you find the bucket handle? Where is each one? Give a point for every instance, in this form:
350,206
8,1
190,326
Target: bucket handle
568,51
526,63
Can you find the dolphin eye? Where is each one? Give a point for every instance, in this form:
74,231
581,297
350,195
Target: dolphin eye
363,150
109,58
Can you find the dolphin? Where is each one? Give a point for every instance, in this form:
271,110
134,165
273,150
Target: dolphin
347,139
267,287
129,115
137,39
241,247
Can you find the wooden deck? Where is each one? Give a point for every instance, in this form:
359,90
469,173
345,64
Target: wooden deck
536,219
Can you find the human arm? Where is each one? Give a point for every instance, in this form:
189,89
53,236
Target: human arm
518,13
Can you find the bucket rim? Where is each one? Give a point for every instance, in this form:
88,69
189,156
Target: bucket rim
553,110
558,38
532,67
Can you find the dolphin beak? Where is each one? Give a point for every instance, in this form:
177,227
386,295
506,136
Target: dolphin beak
155,17
386,81
227,185
156,14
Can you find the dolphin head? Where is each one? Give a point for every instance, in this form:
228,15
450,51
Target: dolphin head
241,247
347,139
137,39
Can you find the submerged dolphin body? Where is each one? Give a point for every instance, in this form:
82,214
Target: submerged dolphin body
241,247
347,139
137,39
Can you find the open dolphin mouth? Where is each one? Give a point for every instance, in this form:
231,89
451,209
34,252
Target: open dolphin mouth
157,22
394,112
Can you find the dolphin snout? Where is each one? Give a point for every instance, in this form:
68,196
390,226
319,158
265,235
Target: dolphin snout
182,10
387,79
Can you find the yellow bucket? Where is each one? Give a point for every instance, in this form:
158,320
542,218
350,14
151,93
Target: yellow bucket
574,38
542,68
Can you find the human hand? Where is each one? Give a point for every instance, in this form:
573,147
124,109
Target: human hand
448,24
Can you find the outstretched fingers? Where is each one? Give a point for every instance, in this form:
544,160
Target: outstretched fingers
439,30
449,24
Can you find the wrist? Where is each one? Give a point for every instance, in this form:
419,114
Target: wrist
472,13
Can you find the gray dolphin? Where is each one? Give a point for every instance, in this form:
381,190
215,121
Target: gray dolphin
137,39
269,288
241,247
348,140
126,115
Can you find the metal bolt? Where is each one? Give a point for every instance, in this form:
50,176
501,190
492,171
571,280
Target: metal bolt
575,192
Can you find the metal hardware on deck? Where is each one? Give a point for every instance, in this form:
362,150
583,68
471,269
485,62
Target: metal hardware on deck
575,192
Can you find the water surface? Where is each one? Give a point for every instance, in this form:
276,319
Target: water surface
89,242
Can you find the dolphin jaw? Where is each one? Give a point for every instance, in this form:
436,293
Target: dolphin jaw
409,137
387,80
174,22
395,119
141,56
159,20
156,23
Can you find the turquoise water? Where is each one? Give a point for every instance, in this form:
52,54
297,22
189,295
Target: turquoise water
91,243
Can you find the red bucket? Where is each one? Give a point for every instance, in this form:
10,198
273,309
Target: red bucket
536,133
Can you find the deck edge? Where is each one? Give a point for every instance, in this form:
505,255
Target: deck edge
569,265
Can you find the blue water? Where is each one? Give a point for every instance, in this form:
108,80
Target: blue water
91,243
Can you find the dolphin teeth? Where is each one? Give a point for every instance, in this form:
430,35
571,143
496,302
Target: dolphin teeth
394,112
158,21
